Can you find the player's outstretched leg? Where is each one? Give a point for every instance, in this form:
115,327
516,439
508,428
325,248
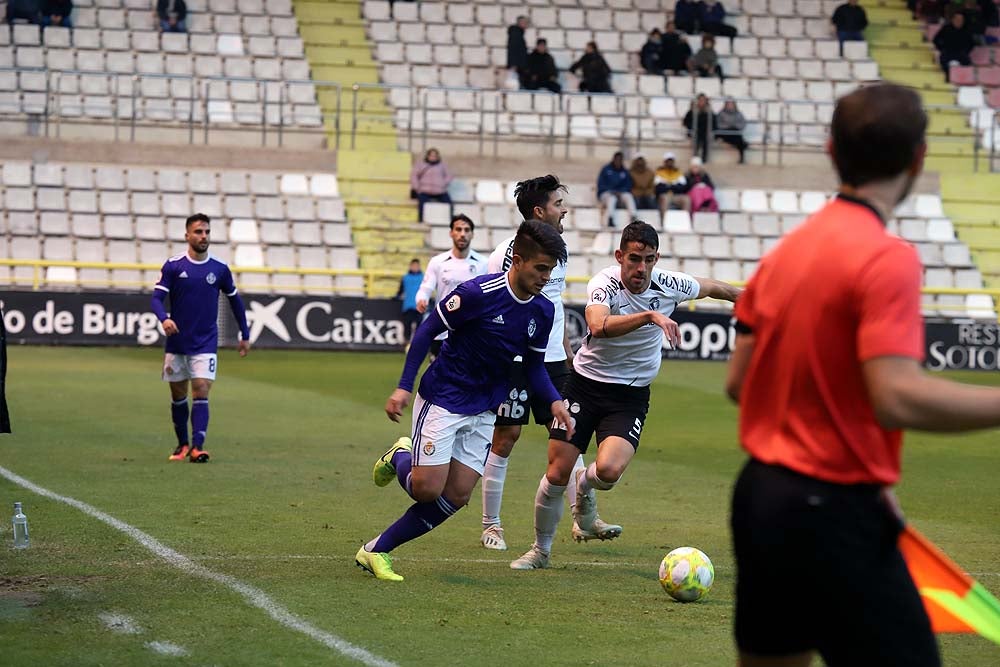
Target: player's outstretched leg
587,525
179,415
199,428
494,476
379,564
397,459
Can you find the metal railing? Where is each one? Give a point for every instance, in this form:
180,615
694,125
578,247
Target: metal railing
416,116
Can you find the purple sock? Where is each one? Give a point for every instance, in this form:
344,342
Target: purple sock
199,421
179,415
419,519
402,461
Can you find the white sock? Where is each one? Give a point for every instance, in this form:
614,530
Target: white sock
548,511
592,481
493,480
571,487
370,547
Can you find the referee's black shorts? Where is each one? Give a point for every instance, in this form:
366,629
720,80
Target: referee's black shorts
818,569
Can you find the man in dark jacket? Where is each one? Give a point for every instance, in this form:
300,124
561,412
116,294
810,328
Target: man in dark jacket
675,51
850,20
594,71
700,124
27,10
517,48
614,188
954,42
686,14
56,12
711,16
172,14
651,53
540,71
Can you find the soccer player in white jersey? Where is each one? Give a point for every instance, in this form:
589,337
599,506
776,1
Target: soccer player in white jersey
491,319
628,313
542,199
449,269
193,282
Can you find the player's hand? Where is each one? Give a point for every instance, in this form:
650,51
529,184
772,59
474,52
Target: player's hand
170,327
421,306
244,347
396,404
562,417
670,328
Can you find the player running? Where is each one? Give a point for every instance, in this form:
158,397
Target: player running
628,313
491,319
540,198
447,270
193,281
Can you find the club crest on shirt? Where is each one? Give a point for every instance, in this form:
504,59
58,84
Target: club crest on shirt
531,327
654,303
428,448
210,278
453,304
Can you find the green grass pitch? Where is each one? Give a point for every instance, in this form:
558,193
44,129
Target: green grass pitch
288,498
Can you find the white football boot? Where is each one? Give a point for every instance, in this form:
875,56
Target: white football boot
532,560
493,538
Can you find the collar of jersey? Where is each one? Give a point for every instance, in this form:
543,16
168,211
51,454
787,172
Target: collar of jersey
861,202
510,290
195,261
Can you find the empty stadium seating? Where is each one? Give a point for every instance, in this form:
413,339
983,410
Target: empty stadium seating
136,214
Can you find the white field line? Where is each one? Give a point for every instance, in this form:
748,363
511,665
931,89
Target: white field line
166,648
251,594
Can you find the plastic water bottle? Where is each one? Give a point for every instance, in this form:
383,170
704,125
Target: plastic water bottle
20,528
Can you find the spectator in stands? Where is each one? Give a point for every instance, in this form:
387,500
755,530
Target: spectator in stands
700,121
676,52
517,48
614,186
686,15
974,22
595,73
643,183
409,285
172,15
57,12
701,190
652,52
991,15
671,185
429,181
729,125
706,61
711,17
540,70
954,43
850,20
25,10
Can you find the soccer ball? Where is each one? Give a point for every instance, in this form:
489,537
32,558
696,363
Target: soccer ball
686,574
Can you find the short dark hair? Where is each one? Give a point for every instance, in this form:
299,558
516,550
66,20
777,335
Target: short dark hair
461,217
535,238
542,40
414,260
876,133
638,231
535,192
197,217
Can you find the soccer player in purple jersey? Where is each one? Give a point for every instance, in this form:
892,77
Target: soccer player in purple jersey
490,320
193,282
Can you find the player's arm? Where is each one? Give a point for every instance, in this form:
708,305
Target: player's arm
567,346
427,286
602,324
158,302
716,289
420,344
240,313
541,385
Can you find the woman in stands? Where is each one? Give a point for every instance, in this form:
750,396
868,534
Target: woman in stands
595,74
729,124
429,181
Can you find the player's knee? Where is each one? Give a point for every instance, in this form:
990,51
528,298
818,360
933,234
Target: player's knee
425,490
610,473
504,438
459,498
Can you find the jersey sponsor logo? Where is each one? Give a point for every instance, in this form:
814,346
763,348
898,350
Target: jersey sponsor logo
498,319
600,295
531,327
184,274
453,304
558,425
428,448
513,407
210,279
673,282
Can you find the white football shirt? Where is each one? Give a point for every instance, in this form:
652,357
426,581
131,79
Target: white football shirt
445,272
633,359
502,258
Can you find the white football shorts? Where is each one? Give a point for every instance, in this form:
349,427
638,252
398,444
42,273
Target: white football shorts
440,436
179,367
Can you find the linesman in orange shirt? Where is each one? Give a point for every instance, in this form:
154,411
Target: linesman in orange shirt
827,372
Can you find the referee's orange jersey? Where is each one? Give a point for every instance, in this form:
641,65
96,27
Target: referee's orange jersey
835,292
